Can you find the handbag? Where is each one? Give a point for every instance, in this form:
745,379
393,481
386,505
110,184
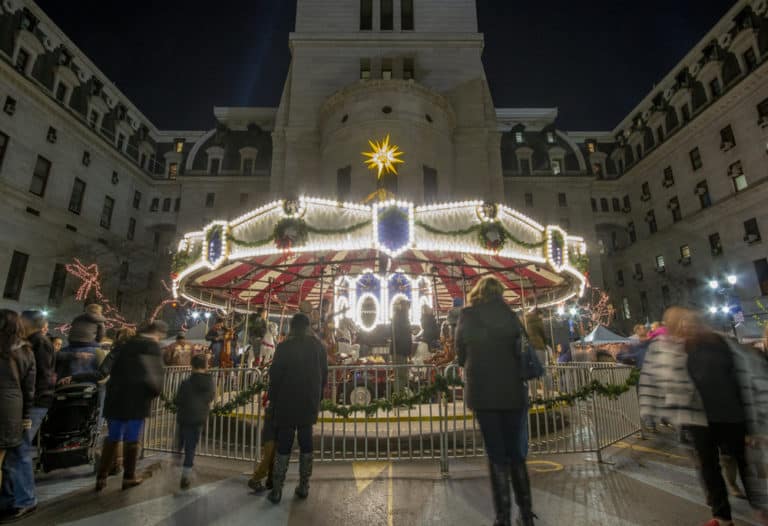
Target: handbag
530,366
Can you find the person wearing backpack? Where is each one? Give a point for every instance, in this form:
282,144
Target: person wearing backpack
17,391
489,341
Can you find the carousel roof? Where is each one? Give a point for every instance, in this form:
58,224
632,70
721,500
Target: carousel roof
289,251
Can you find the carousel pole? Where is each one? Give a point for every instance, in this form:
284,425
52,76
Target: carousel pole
435,303
522,302
320,302
247,316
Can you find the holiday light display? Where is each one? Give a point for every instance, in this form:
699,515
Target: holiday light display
383,157
90,290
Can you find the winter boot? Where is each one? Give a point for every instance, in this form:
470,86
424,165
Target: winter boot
130,458
502,501
117,465
730,470
264,468
186,478
108,453
305,472
522,487
278,478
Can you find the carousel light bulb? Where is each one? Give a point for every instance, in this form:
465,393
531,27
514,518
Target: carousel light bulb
560,310
731,279
725,309
207,315
713,284
195,315
574,311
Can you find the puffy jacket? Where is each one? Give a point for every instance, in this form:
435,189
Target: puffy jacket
136,379
87,328
45,369
17,392
194,398
488,347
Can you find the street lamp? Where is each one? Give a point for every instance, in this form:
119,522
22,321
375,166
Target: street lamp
44,312
731,279
713,309
713,284
725,309
195,315
574,311
560,310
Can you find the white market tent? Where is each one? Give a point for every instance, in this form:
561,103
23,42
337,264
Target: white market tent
601,335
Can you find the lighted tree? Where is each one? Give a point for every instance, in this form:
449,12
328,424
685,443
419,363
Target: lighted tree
596,309
90,290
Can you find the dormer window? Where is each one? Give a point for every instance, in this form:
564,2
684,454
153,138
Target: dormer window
750,59
178,146
519,137
248,160
173,170
715,88
550,138
22,61
61,92
93,119
215,159
120,142
591,147
685,113
557,167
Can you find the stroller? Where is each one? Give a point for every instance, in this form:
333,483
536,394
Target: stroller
70,434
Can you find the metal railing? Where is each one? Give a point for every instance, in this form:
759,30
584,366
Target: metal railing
441,428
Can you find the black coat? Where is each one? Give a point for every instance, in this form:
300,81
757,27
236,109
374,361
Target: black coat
712,369
87,328
45,369
17,392
402,339
136,379
488,347
297,378
194,398
430,332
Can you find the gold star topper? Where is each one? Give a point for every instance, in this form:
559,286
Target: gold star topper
383,157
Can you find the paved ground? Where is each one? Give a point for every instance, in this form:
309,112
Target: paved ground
648,482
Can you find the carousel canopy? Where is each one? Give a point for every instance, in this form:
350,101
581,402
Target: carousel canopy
365,257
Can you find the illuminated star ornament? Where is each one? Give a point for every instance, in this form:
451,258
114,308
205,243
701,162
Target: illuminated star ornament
383,157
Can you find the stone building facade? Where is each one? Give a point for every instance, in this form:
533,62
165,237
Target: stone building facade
85,173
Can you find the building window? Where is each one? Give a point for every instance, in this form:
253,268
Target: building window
167,204
685,112
136,199
631,232
408,68
674,208
154,206
714,87
715,245
3,147
210,199
76,197
702,190
123,274
550,138
751,231
386,69
179,146
525,166
243,199
93,119
666,297
740,183
131,228
620,278
625,308
106,212
750,59
645,192
86,160
727,139
529,200
156,242
365,69
120,141
61,92
430,184
650,218
562,200
638,275
22,59
669,177
247,166
627,205
15,278
557,167
660,264
685,253
592,202
173,170
616,204
387,15
406,14
695,156
58,281
762,111
660,134
597,169
177,204
40,176
9,106
52,135
366,15
344,184
639,151
519,137
143,161
644,303
604,205
614,241
215,166
761,269
591,147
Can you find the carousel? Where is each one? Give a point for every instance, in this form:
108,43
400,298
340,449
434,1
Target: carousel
356,261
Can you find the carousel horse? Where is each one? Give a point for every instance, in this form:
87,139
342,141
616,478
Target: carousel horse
225,359
268,342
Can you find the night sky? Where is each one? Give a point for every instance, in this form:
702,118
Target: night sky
594,60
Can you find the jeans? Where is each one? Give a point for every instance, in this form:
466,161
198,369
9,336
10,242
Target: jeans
709,442
505,434
285,439
124,430
189,436
18,489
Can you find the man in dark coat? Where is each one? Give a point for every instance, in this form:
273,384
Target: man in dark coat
402,343
216,336
136,379
18,492
297,378
17,389
488,347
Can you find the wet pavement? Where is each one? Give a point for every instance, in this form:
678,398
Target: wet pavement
639,482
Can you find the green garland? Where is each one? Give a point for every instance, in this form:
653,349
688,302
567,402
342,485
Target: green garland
579,262
184,258
480,230
311,229
405,400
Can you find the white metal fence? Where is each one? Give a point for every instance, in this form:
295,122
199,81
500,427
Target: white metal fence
441,428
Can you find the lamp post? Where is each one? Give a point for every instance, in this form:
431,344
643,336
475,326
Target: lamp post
722,288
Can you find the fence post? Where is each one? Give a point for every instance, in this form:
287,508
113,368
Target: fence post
596,421
444,468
